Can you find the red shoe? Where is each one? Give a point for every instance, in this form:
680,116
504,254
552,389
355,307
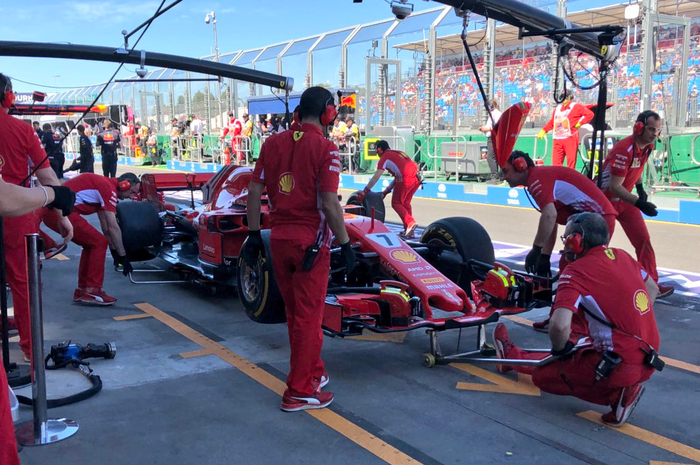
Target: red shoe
321,383
665,291
625,406
411,231
501,341
93,296
53,251
315,401
541,326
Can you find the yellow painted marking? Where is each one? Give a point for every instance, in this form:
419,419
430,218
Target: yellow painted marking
398,338
656,462
363,438
60,257
647,436
196,353
136,316
669,361
501,384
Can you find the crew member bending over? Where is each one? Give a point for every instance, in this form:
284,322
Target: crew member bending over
567,118
622,171
405,183
300,170
96,194
559,192
616,314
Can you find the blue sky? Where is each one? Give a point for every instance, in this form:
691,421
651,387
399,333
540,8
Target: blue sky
182,30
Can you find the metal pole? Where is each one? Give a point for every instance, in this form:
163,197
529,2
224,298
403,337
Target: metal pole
41,430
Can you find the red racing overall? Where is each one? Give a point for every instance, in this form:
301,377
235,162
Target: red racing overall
236,128
93,193
565,137
626,160
296,166
406,184
622,301
20,149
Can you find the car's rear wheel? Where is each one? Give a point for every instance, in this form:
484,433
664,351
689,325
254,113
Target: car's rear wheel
141,228
257,287
372,200
468,238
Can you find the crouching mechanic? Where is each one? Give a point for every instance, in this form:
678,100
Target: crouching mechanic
406,182
559,192
300,169
616,315
622,171
96,194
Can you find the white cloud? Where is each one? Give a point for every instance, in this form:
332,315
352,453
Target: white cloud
111,11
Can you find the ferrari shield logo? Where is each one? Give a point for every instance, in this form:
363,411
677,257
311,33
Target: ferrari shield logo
298,135
404,256
610,254
641,301
286,183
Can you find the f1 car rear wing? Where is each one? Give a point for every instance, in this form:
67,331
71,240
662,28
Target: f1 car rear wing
153,185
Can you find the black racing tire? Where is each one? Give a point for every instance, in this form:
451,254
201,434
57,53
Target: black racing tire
372,200
257,288
471,241
141,228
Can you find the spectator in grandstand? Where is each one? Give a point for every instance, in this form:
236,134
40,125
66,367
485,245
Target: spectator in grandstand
197,133
37,128
567,118
174,137
247,125
622,171
486,129
338,132
152,148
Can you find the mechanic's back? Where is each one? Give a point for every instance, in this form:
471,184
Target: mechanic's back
298,164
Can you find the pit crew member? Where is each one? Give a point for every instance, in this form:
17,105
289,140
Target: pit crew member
300,170
96,194
20,151
53,145
616,314
17,201
559,192
622,171
108,141
404,185
568,116
235,127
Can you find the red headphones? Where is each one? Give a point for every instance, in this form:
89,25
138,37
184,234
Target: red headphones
573,243
641,123
520,163
124,185
8,97
330,113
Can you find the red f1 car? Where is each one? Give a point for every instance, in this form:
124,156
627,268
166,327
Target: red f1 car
448,279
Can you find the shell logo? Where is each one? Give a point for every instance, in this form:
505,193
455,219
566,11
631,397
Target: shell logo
404,256
286,183
641,301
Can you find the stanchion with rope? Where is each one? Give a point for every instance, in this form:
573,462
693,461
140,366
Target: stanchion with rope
41,430
17,375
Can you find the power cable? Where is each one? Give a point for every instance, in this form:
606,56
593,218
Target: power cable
97,98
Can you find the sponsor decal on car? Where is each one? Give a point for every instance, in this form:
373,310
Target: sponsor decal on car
433,280
404,256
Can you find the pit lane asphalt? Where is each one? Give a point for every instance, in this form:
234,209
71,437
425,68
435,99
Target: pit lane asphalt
158,407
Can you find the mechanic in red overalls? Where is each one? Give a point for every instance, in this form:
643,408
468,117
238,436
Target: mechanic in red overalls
96,194
559,193
567,118
14,201
616,314
236,128
622,171
405,183
300,169
20,151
